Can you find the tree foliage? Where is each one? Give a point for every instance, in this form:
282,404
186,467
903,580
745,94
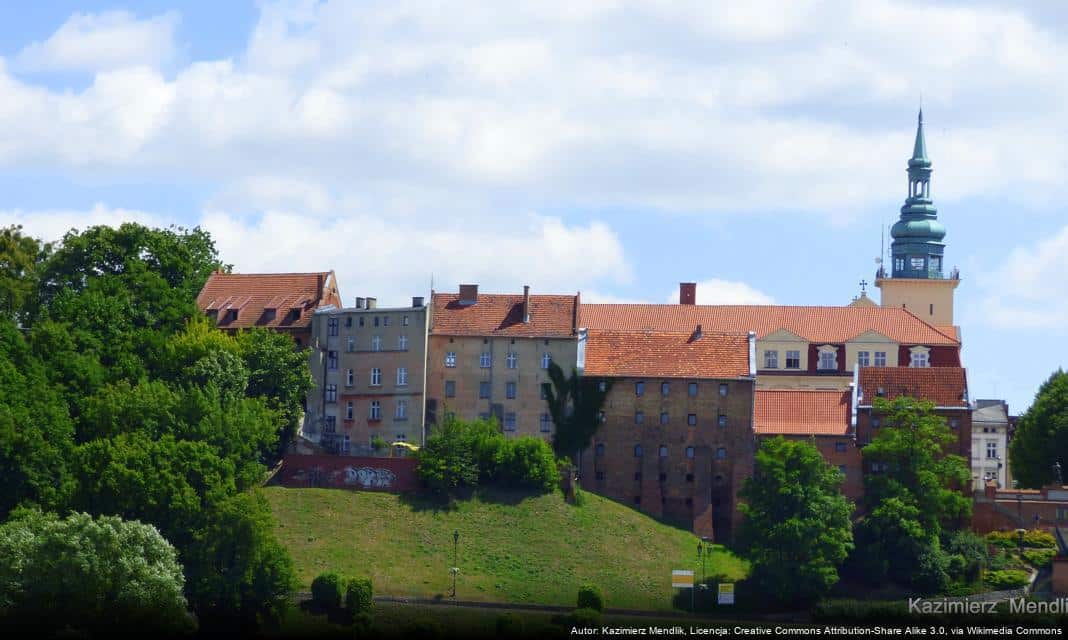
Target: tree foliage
1041,437
90,576
574,403
20,259
797,529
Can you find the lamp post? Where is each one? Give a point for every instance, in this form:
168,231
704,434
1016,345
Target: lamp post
455,568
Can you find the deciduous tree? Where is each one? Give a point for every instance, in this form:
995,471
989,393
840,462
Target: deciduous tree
1041,437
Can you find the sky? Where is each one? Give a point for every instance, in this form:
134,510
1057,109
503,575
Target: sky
610,147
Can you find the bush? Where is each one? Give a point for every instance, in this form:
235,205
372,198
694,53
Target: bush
1039,557
363,625
582,617
525,462
1006,578
590,597
932,574
1039,539
969,555
327,590
1003,539
509,625
359,596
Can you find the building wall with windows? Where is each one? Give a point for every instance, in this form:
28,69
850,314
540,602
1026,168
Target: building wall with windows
990,456
369,367
488,356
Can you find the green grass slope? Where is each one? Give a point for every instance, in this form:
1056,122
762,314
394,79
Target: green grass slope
513,548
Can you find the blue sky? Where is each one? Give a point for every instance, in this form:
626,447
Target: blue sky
607,146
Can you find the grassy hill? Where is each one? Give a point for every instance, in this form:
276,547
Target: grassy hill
513,547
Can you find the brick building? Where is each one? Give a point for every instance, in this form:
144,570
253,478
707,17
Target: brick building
488,355
369,367
283,302
676,437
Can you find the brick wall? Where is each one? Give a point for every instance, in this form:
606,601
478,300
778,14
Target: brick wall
849,460
348,472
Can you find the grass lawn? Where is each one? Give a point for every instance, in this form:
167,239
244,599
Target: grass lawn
513,547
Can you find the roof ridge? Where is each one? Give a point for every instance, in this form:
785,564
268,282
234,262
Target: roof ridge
933,327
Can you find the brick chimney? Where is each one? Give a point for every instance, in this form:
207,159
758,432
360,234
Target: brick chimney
468,293
526,303
687,293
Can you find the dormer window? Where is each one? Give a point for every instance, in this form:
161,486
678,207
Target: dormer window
231,315
828,358
919,357
294,315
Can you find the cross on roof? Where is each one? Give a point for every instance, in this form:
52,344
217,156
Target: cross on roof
863,284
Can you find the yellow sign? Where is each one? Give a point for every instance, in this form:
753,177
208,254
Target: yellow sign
681,579
726,593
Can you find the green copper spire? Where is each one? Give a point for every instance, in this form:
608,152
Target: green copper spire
919,150
917,248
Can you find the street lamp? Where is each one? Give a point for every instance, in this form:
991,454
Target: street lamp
455,568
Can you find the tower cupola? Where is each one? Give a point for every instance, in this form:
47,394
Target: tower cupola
917,248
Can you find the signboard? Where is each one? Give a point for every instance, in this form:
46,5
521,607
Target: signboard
681,579
726,593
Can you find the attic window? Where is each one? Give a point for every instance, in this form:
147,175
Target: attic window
294,315
231,315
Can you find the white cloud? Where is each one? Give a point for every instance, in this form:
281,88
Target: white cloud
51,225
102,42
1029,290
716,291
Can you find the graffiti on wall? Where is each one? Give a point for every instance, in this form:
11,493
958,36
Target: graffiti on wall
368,477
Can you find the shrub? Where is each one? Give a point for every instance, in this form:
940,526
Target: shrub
969,555
582,617
932,575
1039,557
327,590
526,462
359,596
1040,539
1006,578
378,444
509,625
1003,539
590,597
363,625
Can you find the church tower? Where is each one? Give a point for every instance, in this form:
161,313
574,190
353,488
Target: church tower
917,279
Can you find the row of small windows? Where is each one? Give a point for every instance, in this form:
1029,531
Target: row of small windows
918,263
375,380
716,480
485,360
374,413
510,421
665,388
665,418
771,359
376,344
485,390
639,451
333,324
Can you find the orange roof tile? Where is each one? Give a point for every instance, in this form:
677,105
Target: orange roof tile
551,316
253,294
662,354
814,324
801,412
944,386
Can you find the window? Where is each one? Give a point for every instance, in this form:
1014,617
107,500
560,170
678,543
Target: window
350,344
512,360
545,423
842,468
599,475
332,327
664,419
546,360
689,452
349,378
793,359
637,499
349,408
639,417
840,447
450,359
899,264
662,478
919,359
331,360
544,390
936,263
401,411
361,321
348,322
638,451
450,388
639,388
484,360
345,445
385,321
692,390
375,412
665,388
991,450
404,321
880,358
917,263
954,423
689,477
599,450
602,386
722,421
402,376
691,419
483,416
601,417
771,359
329,424
509,421
376,343
376,377
509,390
402,342
863,359
724,389
331,393
400,437
828,360
484,390
875,422
663,451
376,320
721,453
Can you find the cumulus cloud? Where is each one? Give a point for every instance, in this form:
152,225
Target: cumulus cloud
717,291
51,225
1029,290
103,42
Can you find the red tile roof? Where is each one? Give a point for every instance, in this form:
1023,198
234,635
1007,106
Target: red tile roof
551,316
662,354
255,295
814,324
944,386
801,412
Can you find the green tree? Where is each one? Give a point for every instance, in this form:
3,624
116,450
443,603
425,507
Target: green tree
574,403
797,529
239,575
90,576
1041,437
20,259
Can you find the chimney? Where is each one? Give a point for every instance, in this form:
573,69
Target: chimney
687,293
372,303
697,333
417,301
468,293
526,303
361,303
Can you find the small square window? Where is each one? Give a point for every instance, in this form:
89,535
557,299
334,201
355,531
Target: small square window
639,417
483,390
689,452
724,389
510,390
722,421
793,359
771,359
689,477
662,477
692,389
599,475
599,450
880,358
721,453
691,419
545,423
484,360
664,418
862,359
663,451
665,388
639,388
638,451
450,359
450,388
602,386
638,475
509,421
840,447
